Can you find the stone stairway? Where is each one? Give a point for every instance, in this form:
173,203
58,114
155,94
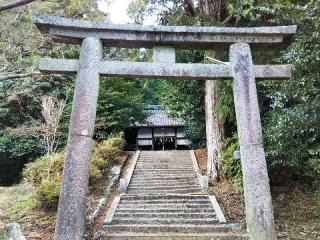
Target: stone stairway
159,172
165,201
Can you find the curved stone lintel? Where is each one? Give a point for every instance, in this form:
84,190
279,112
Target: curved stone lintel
184,37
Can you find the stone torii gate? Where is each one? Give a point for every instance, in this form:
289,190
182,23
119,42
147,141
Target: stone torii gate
164,40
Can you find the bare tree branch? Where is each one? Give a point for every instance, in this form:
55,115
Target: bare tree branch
19,75
14,4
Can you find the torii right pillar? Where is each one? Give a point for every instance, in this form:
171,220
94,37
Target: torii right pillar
259,212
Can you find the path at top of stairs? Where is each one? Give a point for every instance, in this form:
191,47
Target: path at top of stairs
164,201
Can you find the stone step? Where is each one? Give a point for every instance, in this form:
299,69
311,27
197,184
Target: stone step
163,160
117,220
181,164
162,168
163,187
171,203
170,236
165,196
167,181
178,190
156,179
163,210
163,176
164,172
168,169
159,184
151,167
181,228
165,206
157,159
171,214
167,188
167,184
165,201
150,187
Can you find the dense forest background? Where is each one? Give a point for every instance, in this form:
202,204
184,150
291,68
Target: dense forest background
290,109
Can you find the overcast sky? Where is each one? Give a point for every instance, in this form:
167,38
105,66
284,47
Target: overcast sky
117,11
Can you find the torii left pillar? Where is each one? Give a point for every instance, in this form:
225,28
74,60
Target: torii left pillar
72,202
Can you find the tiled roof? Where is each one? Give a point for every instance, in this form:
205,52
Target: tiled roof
159,118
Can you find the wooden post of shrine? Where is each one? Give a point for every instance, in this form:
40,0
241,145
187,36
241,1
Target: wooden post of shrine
259,212
72,202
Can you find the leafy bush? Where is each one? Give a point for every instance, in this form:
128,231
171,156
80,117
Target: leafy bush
46,168
105,154
48,194
291,146
45,174
231,168
108,149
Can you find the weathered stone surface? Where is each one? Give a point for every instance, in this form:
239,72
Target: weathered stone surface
123,185
116,170
217,209
171,216
259,213
71,211
129,173
73,31
179,71
204,183
13,232
203,180
163,54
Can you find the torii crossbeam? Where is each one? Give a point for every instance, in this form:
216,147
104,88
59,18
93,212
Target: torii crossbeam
164,40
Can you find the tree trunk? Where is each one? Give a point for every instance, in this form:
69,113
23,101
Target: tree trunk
214,9
214,128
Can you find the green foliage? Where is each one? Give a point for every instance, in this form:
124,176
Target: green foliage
21,45
136,10
120,104
231,168
286,135
241,11
45,174
185,100
291,123
46,168
23,205
104,154
14,152
48,194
